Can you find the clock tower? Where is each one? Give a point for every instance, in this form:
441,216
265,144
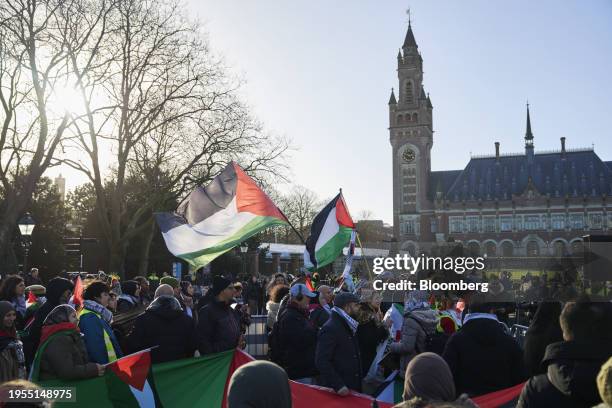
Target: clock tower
411,137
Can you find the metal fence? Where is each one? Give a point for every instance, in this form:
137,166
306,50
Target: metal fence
257,336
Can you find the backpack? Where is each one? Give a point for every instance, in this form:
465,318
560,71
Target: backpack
276,352
434,342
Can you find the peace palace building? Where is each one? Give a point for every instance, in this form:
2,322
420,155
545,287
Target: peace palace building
520,204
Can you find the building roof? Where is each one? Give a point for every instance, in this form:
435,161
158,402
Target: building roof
409,41
575,173
392,100
286,250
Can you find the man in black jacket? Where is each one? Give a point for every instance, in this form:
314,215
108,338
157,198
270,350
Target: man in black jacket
482,356
572,365
298,336
337,356
218,324
163,324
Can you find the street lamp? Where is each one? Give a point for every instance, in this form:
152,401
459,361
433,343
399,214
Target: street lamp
26,227
243,249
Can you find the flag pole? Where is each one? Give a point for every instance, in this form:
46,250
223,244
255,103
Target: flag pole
292,227
363,256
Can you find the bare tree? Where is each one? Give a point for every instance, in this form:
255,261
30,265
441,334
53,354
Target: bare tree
300,206
34,64
160,101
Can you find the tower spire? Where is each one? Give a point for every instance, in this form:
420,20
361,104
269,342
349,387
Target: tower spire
409,41
528,134
392,100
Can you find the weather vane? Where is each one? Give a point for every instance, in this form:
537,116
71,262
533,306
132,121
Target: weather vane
408,12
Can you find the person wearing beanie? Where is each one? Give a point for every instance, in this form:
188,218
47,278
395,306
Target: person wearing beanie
12,361
337,355
129,298
298,336
259,384
218,326
58,292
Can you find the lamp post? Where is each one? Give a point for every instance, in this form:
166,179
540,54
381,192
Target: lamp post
243,249
26,227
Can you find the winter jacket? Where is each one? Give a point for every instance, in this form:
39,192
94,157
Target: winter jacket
570,380
272,308
417,324
298,339
94,329
65,358
127,303
337,357
218,328
55,289
319,316
483,358
370,335
10,347
543,330
165,325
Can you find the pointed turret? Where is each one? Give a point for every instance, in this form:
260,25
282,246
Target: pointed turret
409,41
429,105
528,134
529,139
392,100
400,59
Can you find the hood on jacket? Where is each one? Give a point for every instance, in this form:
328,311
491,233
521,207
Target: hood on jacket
166,307
484,331
55,289
572,368
427,317
259,384
428,376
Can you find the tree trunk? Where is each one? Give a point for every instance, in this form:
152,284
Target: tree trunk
143,262
14,207
117,259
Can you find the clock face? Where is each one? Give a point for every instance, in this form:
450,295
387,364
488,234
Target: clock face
408,155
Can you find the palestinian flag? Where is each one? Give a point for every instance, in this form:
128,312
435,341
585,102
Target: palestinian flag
330,233
216,218
391,390
191,382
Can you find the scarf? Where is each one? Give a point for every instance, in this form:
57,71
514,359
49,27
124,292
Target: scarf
20,305
48,331
94,306
472,316
348,319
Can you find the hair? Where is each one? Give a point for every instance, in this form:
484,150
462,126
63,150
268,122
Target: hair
278,292
587,321
130,287
8,285
20,385
184,286
140,280
95,289
480,303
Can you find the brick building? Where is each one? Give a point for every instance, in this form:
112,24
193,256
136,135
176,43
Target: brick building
518,204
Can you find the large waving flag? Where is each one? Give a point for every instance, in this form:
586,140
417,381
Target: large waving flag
216,218
191,382
330,233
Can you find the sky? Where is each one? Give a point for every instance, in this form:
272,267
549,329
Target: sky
320,73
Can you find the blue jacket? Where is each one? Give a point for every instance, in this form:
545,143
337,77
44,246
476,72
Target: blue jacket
93,328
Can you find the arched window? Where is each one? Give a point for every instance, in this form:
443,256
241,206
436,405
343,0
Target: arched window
400,119
409,94
507,248
414,117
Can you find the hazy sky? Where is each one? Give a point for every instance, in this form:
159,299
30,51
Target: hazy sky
320,73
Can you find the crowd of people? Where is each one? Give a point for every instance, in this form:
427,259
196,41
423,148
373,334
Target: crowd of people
445,349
